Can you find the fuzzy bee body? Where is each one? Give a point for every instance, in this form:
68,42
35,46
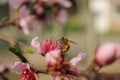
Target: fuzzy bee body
65,46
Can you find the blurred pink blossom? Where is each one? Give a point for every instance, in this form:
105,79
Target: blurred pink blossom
45,46
76,60
24,70
15,4
38,9
57,78
24,11
107,53
2,68
64,3
26,23
62,17
41,10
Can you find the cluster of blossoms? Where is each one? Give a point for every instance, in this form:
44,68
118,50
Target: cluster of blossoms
57,64
54,53
40,11
3,70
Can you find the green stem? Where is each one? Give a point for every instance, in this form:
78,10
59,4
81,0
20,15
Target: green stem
18,52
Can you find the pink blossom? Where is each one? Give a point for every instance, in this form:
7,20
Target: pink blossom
2,68
107,53
41,22
62,17
64,3
36,44
24,70
38,9
18,67
15,4
45,46
26,23
76,60
57,78
24,11
52,56
29,75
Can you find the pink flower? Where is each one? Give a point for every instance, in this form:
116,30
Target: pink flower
76,60
15,4
24,70
53,56
2,68
57,78
29,75
107,53
64,3
62,16
24,11
26,23
41,21
46,46
38,9
18,67
36,44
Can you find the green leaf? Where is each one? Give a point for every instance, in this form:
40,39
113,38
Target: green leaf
29,51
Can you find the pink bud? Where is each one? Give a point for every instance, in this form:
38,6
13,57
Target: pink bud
107,53
76,60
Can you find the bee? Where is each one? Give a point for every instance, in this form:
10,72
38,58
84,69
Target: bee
64,43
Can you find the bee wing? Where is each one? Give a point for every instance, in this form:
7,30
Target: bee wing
72,42
36,61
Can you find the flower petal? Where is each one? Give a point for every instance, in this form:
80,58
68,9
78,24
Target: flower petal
2,68
26,23
62,17
76,60
18,67
57,78
36,44
51,56
64,3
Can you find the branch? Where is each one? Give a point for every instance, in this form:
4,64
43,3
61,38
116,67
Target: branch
7,23
14,47
7,40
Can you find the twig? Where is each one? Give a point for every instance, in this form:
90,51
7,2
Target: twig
7,23
13,47
7,40
41,71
